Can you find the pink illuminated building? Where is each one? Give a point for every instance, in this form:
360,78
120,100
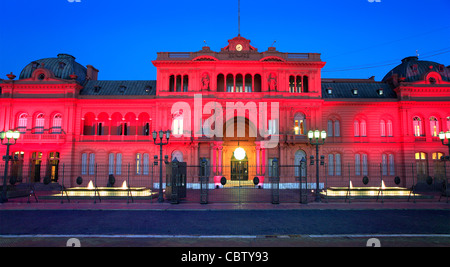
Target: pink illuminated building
66,115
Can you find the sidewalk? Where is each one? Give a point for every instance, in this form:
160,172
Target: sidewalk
14,205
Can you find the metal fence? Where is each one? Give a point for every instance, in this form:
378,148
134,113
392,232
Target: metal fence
232,184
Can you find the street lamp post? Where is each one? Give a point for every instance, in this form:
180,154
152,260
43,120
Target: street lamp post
7,136
161,144
443,136
317,138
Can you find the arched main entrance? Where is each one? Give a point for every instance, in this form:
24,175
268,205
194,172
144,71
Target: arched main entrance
233,168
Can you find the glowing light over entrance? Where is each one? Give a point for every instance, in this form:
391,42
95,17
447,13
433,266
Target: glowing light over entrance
239,153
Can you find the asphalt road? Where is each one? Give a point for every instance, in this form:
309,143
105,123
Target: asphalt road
224,222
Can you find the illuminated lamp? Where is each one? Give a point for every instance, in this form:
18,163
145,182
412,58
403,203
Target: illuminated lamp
239,153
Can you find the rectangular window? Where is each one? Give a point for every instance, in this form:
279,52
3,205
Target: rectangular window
356,128
365,168
111,163
91,164
384,166
84,163
57,123
434,127
177,126
298,127
337,158
146,130
138,163
330,165
39,128
389,128
363,128
119,164
330,128
337,128
146,164
383,128
99,128
417,124
391,165
357,164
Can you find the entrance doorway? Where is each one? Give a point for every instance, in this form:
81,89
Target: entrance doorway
239,169
54,166
36,159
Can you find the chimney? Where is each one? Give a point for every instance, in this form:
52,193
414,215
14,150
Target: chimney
92,73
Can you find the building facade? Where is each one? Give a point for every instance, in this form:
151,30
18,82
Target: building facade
68,117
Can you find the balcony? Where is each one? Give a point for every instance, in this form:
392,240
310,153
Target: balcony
43,136
116,138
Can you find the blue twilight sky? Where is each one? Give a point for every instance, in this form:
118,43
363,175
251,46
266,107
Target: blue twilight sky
357,38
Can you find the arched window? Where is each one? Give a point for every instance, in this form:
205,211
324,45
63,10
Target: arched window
361,166
363,129
292,84
117,165
418,127
333,128
239,83
257,83
360,128
172,83
177,125
305,84
178,83
248,83
383,128
434,126
330,128
185,83
299,124
23,120
178,155
56,124
356,128
298,84
220,83
389,128
230,83
39,124
334,164
337,128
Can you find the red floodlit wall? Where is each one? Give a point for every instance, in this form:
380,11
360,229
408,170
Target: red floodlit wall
54,116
